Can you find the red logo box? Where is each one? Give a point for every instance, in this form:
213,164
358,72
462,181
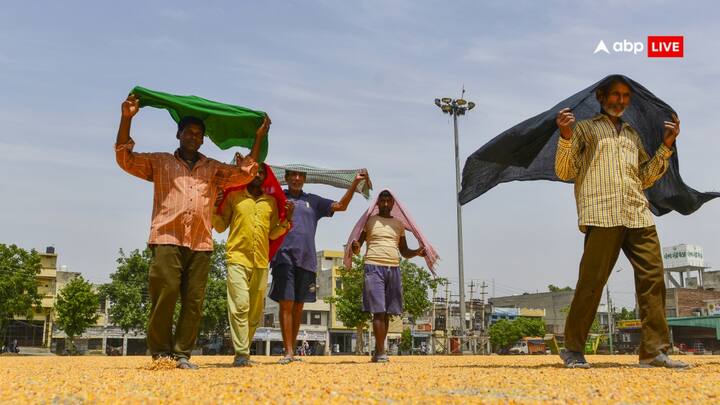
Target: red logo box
665,46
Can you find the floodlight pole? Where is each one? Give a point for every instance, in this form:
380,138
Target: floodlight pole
461,267
455,108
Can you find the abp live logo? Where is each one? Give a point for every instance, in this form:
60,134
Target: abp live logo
665,46
657,46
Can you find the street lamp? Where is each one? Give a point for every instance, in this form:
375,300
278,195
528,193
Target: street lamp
457,107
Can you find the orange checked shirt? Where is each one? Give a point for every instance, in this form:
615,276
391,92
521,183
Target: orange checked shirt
183,197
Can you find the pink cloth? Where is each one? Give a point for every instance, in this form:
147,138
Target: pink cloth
399,212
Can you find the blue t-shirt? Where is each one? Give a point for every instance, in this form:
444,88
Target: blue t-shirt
298,248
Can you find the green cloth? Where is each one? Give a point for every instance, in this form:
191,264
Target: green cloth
225,124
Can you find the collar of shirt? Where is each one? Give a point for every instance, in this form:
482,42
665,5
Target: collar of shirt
604,115
202,159
263,196
299,197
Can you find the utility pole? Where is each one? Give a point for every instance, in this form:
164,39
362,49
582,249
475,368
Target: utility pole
472,316
610,320
432,329
447,316
483,286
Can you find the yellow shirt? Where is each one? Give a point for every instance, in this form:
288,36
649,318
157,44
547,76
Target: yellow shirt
610,171
383,240
252,223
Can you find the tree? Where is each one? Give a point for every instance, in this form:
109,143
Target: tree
215,316
348,299
530,326
406,341
18,284
554,288
128,291
416,281
76,308
625,315
505,333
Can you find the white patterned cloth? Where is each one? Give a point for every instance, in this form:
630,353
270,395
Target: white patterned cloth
331,177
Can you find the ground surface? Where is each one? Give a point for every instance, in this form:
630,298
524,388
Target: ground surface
350,379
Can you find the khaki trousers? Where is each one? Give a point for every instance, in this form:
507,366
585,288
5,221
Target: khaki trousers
246,300
175,271
602,247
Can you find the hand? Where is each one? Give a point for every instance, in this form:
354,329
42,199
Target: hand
565,120
243,161
362,175
672,130
263,130
289,209
238,158
421,252
130,106
355,246
219,198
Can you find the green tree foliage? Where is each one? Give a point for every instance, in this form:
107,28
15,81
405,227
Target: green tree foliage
76,308
128,291
505,333
348,299
215,317
624,315
554,288
18,284
530,327
416,282
406,341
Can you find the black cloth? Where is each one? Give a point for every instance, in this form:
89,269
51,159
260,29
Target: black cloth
527,150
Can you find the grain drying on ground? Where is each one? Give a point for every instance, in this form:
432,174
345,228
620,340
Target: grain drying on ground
352,379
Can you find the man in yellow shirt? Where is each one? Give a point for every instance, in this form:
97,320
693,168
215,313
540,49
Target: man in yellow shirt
605,158
254,221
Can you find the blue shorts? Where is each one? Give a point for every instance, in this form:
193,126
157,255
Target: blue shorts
291,283
382,292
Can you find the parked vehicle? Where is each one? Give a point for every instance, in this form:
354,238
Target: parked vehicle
529,345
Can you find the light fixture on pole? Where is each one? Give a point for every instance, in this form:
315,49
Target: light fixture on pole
457,107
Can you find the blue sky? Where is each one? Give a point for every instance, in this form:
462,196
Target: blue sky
348,84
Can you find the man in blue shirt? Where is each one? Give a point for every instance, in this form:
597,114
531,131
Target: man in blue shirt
295,264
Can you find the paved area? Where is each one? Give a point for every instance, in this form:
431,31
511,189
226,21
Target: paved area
351,379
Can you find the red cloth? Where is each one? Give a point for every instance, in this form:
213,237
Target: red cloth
271,186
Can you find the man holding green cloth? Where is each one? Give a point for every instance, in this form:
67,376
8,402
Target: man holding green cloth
185,186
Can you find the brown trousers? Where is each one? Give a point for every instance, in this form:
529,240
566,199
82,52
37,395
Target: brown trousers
176,271
602,247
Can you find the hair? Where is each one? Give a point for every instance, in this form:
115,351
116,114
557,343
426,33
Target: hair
189,119
604,87
290,171
385,193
